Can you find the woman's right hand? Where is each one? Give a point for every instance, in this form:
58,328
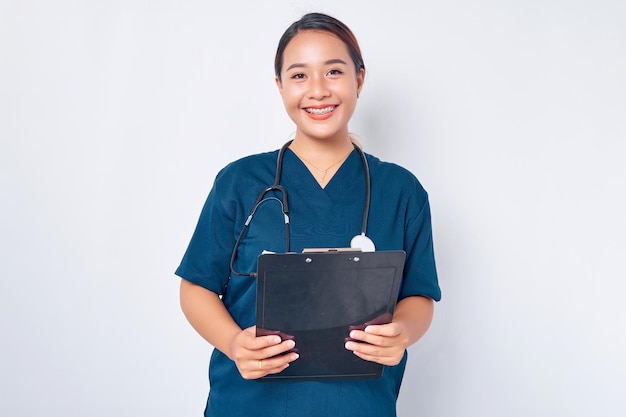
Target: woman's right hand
256,357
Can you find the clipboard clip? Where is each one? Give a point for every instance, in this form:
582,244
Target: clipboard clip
325,250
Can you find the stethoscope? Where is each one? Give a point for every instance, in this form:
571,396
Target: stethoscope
358,242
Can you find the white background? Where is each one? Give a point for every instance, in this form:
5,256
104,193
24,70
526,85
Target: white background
115,117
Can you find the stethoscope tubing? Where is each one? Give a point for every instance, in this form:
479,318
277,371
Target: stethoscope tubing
285,205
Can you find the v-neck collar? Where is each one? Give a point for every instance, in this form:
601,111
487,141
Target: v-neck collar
304,174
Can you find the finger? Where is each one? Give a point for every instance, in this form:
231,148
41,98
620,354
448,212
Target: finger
370,338
378,354
252,342
263,342
259,368
367,349
275,364
274,350
383,360
388,330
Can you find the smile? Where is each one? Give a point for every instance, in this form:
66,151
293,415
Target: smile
321,111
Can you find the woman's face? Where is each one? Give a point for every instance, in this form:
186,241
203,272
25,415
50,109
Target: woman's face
319,85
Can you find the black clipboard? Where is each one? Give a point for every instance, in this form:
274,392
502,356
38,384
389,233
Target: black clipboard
317,298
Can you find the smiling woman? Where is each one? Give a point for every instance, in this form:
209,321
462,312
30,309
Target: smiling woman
319,87
319,74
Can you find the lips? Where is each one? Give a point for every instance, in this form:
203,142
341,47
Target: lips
320,111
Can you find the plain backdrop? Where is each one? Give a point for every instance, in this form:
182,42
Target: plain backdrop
116,115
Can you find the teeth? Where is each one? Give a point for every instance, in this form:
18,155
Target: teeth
319,112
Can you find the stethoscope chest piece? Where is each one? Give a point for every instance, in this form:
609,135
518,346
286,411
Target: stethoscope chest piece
362,242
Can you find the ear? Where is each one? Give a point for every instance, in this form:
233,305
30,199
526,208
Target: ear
279,84
360,79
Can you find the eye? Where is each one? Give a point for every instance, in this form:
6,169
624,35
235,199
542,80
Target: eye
297,76
335,72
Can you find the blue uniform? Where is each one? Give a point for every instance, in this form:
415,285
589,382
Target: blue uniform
399,219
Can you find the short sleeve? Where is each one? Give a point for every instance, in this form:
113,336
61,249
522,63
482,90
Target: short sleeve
420,273
207,259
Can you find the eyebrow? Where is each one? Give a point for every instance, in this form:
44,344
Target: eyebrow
329,62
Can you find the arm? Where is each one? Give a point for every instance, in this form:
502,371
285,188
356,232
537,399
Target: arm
386,343
207,315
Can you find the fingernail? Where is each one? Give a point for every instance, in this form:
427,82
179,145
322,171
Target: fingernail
291,343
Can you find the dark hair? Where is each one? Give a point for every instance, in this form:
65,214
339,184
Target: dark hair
325,23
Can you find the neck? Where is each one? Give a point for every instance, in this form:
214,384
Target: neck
322,158
322,152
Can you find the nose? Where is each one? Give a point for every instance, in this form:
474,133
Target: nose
318,88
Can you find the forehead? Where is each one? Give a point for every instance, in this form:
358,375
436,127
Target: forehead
311,46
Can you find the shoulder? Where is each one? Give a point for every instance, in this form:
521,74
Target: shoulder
238,180
393,177
249,163
254,168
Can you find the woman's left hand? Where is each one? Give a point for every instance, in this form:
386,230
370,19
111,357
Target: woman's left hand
384,343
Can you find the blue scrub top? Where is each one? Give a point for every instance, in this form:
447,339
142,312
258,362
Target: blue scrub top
319,217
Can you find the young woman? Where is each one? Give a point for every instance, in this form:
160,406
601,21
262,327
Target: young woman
319,74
